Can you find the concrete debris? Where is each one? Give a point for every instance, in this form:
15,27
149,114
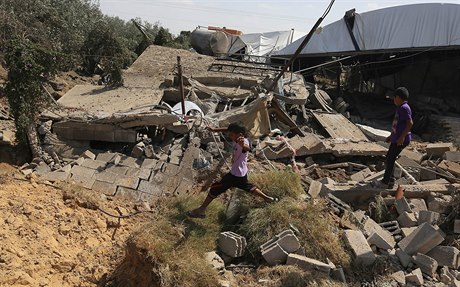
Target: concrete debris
445,256
232,244
427,264
407,219
308,264
275,251
215,260
88,154
430,217
399,277
422,240
402,206
416,277
438,149
361,249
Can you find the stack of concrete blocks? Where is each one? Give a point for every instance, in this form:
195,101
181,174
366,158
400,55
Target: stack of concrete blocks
276,250
137,179
232,244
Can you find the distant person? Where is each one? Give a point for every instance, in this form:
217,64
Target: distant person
400,136
238,175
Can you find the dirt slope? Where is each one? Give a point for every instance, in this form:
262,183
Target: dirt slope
48,240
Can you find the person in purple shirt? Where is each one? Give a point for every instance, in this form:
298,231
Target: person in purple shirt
238,175
400,136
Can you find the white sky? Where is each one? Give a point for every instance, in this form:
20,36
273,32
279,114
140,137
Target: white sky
249,16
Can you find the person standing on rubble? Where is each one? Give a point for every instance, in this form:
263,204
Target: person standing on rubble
238,175
400,136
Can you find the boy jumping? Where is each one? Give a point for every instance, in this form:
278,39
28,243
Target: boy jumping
400,136
237,177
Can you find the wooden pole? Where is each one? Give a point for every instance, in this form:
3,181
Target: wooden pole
181,84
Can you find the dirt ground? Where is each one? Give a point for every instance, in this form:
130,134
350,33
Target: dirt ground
49,240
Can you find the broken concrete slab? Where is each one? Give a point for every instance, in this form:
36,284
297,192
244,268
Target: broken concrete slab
308,264
361,175
373,133
450,166
413,155
422,240
339,127
407,219
430,217
104,187
315,188
445,256
402,205
88,154
380,242
55,176
427,264
438,149
453,156
404,258
361,249
232,244
275,255
416,277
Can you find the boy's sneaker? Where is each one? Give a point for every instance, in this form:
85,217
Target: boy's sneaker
379,184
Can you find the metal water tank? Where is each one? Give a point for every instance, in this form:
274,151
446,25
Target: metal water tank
211,43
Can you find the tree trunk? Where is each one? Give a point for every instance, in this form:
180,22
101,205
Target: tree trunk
33,141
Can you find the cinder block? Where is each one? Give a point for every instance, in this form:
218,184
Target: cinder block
430,217
422,240
119,170
275,255
361,249
380,242
104,187
127,193
308,264
150,188
88,154
55,176
127,181
289,242
438,149
107,176
445,256
130,161
402,205
404,258
427,264
407,219
149,163
232,244
94,164
416,277
106,156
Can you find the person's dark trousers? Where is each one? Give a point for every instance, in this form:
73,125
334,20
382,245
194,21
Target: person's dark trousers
391,157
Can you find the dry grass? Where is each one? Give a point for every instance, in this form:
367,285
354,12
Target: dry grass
176,244
279,183
286,276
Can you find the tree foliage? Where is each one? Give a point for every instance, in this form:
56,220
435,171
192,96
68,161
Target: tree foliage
29,66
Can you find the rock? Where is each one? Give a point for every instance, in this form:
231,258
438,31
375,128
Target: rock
422,240
380,242
430,217
404,258
215,260
361,249
407,219
399,277
438,149
415,277
88,154
308,264
402,206
427,264
445,256
232,244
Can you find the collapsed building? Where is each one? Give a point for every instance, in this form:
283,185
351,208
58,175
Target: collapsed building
147,139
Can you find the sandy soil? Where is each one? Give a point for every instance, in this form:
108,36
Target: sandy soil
49,241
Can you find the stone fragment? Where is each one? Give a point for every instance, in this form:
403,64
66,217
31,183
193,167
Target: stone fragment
380,242
422,240
315,188
361,175
361,249
407,219
308,264
149,152
404,258
402,205
215,260
427,264
430,217
138,150
88,154
416,277
438,149
445,256
232,244
399,277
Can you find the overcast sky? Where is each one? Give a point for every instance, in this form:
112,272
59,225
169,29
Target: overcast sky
249,16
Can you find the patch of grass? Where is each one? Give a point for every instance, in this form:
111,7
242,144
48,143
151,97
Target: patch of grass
177,244
279,183
313,223
379,210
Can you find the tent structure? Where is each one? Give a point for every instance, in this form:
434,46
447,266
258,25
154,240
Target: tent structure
261,44
400,28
